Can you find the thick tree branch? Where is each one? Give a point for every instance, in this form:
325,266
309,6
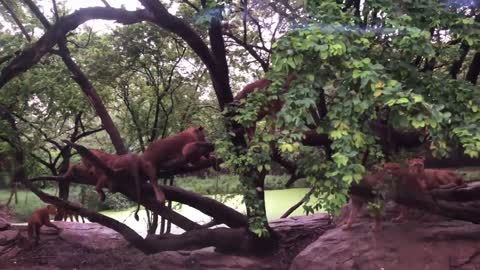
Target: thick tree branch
165,20
29,57
474,69
219,53
211,207
84,84
151,204
16,19
129,234
224,239
457,64
469,193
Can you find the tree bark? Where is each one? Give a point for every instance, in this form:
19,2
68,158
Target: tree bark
474,69
457,64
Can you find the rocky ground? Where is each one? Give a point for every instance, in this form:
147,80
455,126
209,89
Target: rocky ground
91,246
422,242
313,242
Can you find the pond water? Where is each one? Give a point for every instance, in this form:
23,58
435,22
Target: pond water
278,201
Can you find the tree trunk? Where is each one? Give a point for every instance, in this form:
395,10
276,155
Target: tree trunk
457,64
474,69
19,164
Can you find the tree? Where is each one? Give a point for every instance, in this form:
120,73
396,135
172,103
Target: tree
359,63
354,65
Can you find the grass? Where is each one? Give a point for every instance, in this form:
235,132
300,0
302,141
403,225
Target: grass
27,202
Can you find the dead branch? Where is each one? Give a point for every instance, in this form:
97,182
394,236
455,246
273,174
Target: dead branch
298,204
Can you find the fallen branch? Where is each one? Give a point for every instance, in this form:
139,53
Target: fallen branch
298,204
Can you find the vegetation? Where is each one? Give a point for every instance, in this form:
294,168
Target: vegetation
367,74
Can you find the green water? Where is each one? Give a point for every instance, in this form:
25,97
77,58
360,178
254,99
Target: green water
278,201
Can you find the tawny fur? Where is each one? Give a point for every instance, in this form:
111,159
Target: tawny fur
128,163
409,183
273,107
435,178
39,218
169,153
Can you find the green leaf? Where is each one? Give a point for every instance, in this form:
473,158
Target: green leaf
417,98
347,178
340,159
402,100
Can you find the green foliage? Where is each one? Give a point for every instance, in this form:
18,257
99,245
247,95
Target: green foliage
365,66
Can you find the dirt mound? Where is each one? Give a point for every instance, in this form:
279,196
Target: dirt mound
422,242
